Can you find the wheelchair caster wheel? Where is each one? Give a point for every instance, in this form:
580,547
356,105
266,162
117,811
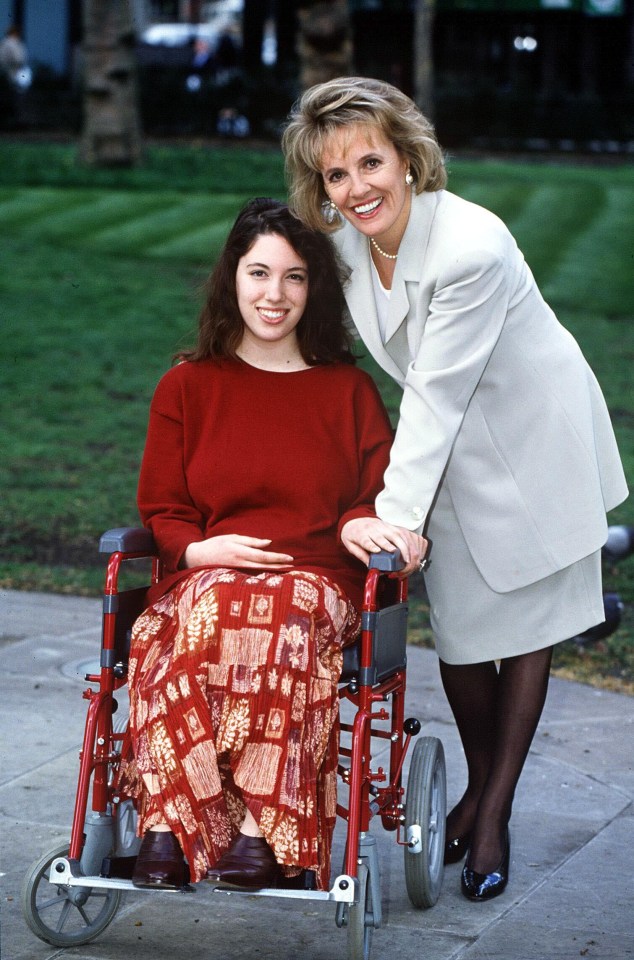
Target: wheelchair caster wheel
359,919
61,917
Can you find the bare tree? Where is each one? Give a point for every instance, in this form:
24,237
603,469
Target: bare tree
324,42
111,130
423,56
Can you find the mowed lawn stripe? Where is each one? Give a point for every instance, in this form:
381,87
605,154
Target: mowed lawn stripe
504,199
597,270
178,216
124,222
84,213
551,220
203,244
19,208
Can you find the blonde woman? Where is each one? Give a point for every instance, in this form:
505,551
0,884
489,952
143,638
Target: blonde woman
504,454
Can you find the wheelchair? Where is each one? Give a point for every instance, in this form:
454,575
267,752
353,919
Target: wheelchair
72,893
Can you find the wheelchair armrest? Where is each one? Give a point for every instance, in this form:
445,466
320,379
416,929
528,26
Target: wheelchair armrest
386,561
127,540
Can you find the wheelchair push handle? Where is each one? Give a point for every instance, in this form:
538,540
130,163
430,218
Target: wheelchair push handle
387,561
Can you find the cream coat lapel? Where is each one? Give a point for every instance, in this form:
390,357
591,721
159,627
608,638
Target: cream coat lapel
409,266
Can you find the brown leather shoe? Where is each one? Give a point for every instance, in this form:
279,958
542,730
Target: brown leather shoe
160,862
248,864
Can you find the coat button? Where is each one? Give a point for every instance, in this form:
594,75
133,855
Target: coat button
417,513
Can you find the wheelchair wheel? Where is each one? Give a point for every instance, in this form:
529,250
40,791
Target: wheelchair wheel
61,915
426,808
360,919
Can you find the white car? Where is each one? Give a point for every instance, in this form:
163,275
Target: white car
223,16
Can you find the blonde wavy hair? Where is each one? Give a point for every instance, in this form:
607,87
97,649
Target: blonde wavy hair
328,107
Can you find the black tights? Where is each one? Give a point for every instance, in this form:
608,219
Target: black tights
496,713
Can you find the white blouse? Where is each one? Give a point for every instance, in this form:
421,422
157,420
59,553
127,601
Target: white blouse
382,300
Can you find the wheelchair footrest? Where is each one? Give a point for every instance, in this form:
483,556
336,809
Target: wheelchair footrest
67,873
342,891
120,867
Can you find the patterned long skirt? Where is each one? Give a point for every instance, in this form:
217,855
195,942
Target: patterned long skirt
234,706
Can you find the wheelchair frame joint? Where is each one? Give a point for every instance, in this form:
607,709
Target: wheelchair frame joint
367,676
110,603
369,619
108,658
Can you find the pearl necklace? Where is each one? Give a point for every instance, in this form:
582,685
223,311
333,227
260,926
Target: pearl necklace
388,256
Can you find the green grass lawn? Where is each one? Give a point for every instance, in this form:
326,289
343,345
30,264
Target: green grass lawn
100,284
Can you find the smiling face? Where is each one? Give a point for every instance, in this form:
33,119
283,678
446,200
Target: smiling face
272,289
364,175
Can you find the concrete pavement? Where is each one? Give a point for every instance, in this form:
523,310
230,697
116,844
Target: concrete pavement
570,893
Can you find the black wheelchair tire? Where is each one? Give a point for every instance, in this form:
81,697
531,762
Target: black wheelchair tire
426,807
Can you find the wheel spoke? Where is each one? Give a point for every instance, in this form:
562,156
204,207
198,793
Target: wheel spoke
84,915
53,902
63,916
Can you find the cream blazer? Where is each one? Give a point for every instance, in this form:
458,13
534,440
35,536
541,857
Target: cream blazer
498,401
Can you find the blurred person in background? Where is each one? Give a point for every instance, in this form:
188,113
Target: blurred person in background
17,75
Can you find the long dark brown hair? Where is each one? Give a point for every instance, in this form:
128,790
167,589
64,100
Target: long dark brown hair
321,334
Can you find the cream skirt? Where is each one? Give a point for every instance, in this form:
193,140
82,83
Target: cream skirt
472,623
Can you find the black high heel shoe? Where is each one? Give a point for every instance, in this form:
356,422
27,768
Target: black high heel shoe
456,849
485,886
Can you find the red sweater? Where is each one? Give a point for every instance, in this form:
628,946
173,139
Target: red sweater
232,449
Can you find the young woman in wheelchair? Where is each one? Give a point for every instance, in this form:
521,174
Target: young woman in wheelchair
265,451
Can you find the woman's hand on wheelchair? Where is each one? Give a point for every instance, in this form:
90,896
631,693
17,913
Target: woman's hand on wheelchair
366,535
233,550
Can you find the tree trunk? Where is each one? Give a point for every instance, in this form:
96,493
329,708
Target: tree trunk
254,15
324,41
423,56
629,58
111,133
286,30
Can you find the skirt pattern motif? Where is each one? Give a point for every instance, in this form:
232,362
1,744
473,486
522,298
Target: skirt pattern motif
233,704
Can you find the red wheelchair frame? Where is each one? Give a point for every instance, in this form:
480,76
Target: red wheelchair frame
96,864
